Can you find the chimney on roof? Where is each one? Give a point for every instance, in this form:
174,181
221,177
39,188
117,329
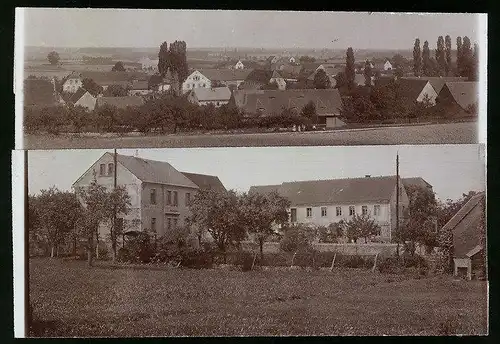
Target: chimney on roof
367,175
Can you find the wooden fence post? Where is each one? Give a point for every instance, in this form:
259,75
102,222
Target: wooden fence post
293,258
375,263
254,257
333,261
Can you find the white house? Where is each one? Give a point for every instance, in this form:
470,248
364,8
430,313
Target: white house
387,65
196,80
322,202
72,83
217,96
82,98
279,80
239,65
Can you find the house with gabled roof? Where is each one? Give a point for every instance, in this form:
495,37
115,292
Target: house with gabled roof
72,82
160,195
272,102
437,81
278,79
321,202
82,98
217,96
413,90
459,98
468,228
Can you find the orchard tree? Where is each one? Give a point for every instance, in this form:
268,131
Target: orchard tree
360,226
53,58
92,87
447,42
177,62
417,58
309,111
118,67
350,69
321,80
56,215
368,74
218,212
115,90
260,212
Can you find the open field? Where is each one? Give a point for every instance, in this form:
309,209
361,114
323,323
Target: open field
450,133
72,300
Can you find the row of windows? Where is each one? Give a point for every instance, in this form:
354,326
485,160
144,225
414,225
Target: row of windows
171,223
172,198
338,211
102,169
194,85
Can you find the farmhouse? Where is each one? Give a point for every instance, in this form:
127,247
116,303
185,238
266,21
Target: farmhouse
159,194
459,98
437,81
119,102
239,65
83,98
72,83
413,90
279,80
272,102
469,237
256,79
203,96
321,202
226,77
330,70
105,79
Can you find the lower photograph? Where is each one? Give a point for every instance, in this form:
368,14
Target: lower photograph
262,241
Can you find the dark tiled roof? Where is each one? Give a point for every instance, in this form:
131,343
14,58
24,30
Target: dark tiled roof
327,101
225,74
39,92
152,171
74,97
335,191
437,82
459,216
263,189
465,93
120,102
140,85
259,75
418,181
109,78
212,94
205,182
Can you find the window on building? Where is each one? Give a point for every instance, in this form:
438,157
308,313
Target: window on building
102,169
309,212
293,215
175,199
338,211
364,210
153,196
376,210
204,85
111,169
352,211
323,211
153,224
169,197
188,198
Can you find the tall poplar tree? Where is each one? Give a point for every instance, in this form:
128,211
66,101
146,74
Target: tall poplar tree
426,60
417,58
350,69
447,43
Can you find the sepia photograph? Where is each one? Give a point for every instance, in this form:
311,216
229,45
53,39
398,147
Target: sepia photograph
95,78
257,241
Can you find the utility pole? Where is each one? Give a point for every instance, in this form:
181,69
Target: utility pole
397,201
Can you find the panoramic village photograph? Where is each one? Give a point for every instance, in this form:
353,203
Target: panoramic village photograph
238,78
257,241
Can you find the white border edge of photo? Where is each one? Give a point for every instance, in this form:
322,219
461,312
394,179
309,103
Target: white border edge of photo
483,77
18,77
18,242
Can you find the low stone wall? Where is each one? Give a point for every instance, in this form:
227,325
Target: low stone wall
385,249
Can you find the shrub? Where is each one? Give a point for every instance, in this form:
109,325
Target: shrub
274,259
355,261
245,260
140,248
123,255
390,265
297,238
197,259
401,264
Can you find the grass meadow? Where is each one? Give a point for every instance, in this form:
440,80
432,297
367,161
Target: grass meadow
70,299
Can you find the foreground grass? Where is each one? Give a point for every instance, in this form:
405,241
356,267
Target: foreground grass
449,133
70,299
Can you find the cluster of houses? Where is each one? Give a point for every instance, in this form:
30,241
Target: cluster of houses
250,88
161,195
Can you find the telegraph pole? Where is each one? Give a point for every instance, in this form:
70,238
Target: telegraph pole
397,201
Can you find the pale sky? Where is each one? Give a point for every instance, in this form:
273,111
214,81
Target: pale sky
450,169
267,29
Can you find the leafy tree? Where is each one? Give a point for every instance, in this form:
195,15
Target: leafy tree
53,58
331,233
360,226
466,57
440,56
56,215
118,67
426,57
92,87
115,91
417,58
447,42
358,109
259,214
341,80
163,59
350,70
368,74
178,62
459,55
474,65
309,111
297,238
154,80
218,212
107,117
321,80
